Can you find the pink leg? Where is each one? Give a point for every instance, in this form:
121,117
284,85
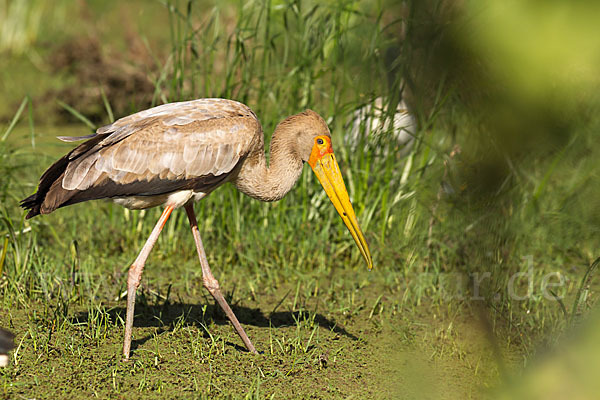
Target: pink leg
135,275
211,283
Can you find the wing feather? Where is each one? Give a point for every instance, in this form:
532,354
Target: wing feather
195,167
190,151
205,165
224,157
76,173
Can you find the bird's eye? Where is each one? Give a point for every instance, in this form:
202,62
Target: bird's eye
319,141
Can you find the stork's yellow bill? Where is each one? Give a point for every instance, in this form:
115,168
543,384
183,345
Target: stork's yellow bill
323,163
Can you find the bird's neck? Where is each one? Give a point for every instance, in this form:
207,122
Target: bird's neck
272,182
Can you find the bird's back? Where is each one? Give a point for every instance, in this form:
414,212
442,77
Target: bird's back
192,145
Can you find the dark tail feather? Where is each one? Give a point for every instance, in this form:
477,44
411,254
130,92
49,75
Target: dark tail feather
34,202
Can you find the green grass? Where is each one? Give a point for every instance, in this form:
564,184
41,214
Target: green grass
436,221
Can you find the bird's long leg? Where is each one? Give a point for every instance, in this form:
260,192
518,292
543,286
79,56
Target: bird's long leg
211,284
135,275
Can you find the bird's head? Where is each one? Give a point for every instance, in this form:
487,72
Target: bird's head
314,146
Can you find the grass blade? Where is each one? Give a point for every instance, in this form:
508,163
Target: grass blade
107,106
584,281
77,114
15,119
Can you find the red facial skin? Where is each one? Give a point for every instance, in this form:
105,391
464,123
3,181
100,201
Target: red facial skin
319,150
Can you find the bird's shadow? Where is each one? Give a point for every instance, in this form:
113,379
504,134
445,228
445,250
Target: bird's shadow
165,317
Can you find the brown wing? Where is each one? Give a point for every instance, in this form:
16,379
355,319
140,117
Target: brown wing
155,150
160,150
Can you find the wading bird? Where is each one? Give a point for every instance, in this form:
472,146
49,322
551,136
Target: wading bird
177,153
371,122
6,345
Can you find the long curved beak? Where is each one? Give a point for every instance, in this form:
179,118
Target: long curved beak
328,172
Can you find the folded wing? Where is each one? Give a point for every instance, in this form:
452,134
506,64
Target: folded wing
164,149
